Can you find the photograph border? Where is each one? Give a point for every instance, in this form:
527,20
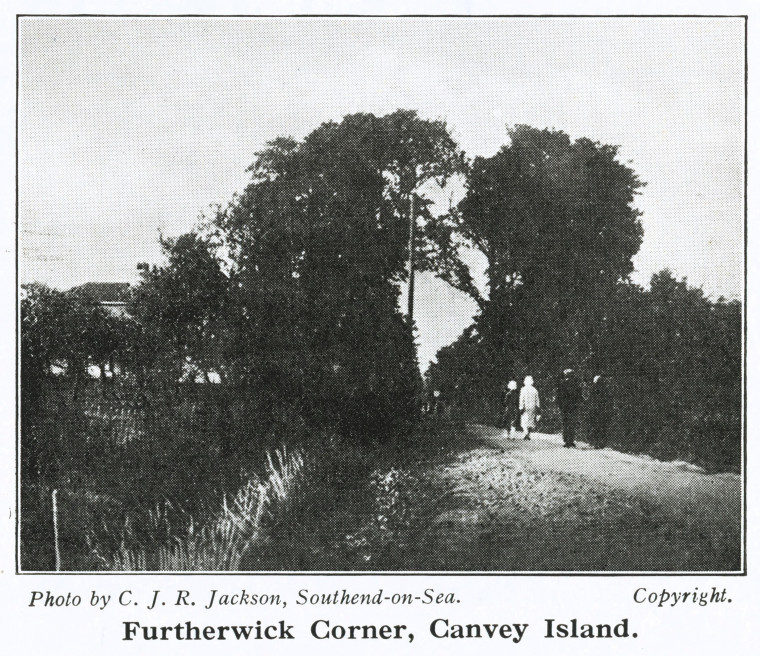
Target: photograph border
733,573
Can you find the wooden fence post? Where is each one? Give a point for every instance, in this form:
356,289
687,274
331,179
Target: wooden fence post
55,532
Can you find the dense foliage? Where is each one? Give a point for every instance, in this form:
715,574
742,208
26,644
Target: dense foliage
290,297
556,223
68,331
317,243
675,357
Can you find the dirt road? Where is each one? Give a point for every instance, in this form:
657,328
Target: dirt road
513,505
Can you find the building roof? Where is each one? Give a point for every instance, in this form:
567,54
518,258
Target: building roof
103,292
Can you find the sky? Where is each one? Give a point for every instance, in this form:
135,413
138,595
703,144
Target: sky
131,128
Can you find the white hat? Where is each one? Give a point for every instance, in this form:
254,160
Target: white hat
528,380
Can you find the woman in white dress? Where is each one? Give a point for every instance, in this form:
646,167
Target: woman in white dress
529,406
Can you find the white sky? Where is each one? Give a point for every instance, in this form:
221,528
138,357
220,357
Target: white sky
128,126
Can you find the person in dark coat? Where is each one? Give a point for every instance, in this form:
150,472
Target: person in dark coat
599,412
512,408
568,399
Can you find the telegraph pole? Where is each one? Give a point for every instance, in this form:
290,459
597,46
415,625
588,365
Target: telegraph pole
412,227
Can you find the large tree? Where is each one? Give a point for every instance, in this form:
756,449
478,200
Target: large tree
555,220
318,242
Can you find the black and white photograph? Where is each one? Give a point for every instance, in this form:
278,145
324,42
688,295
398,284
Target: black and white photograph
381,294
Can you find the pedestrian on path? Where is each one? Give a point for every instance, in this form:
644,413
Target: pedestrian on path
529,406
512,408
568,398
599,412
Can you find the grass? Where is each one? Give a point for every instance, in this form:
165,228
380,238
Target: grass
168,484
226,538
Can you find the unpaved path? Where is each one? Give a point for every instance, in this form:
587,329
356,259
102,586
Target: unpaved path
514,505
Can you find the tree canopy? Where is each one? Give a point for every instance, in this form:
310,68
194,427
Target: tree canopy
295,286
318,241
555,221
550,213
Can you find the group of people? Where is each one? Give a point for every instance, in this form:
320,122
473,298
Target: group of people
522,409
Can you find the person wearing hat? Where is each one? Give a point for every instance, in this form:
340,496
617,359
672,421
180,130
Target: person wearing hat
529,406
568,399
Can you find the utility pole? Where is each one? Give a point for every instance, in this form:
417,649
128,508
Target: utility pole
412,227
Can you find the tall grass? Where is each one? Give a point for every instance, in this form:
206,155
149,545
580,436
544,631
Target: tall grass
134,477
228,535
